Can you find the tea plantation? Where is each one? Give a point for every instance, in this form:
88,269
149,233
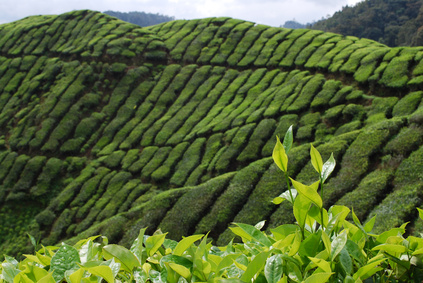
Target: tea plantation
107,127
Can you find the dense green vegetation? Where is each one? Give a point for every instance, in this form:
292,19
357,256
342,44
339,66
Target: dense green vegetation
391,22
140,18
107,127
322,246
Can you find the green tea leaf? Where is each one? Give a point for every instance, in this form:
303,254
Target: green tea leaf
87,252
278,200
102,271
284,230
300,208
153,243
338,214
326,242
316,160
390,248
76,277
11,260
33,241
114,266
9,271
279,156
321,263
328,168
48,278
249,232
346,261
260,224
180,260
22,278
33,273
286,196
355,251
338,244
368,227
288,140
273,269
227,261
255,266
420,213
368,270
310,245
318,277
294,272
185,243
316,214
66,258
392,232
295,244
122,255
308,192
180,269
201,269
137,246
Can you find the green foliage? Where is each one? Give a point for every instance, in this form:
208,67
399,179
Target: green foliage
310,89
396,72
48,178
223,210
235,147
407,140
145,156
325,95
189,161
407,104
157,160
374,186
256,142
164,172
104,124
320,247
398,26
203,196
356,160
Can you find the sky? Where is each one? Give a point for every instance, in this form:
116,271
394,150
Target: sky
268,12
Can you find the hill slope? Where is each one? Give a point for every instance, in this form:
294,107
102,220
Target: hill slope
107,127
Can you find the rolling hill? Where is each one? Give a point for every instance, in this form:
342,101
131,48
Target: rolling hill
107,127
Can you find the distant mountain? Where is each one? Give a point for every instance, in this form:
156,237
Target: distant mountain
107,127
391,22
294,24
140,18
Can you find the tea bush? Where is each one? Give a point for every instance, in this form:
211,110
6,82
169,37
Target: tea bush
322,245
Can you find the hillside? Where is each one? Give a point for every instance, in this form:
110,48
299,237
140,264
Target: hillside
391,22
140,18
107,127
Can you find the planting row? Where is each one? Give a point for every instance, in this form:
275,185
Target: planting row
236,43
81,34
101,200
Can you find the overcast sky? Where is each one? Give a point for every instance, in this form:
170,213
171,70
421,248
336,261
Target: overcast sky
269,12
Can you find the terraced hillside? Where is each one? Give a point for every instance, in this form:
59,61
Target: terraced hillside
107,127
